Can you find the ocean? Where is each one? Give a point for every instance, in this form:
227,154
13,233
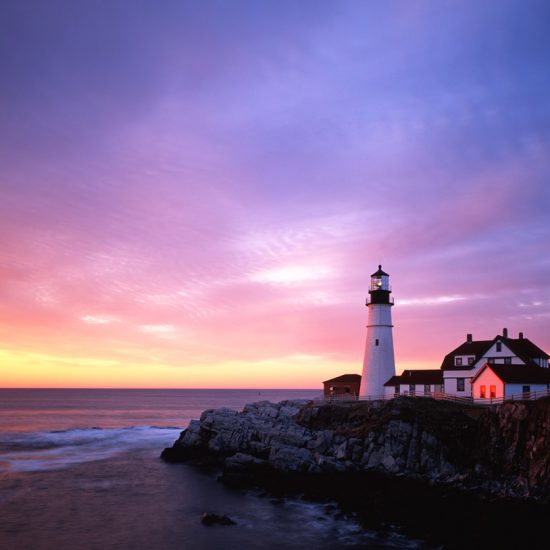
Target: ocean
80,469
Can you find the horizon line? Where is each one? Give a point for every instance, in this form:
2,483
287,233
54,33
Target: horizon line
175,389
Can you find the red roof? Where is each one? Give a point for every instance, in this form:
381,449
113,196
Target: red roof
521,347
393,381
517,374
345,379
419,376
477,349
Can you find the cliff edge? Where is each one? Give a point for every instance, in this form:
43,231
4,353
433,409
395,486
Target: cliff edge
503,451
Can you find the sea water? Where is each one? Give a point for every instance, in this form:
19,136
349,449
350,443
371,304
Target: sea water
80,469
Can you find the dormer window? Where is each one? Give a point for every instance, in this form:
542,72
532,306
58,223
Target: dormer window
499,346
471,360
458,361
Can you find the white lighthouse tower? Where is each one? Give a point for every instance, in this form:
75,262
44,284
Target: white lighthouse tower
379,362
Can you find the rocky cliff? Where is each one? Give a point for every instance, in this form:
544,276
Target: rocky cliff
435,470
503,451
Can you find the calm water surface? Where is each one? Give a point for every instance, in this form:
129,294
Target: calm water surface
80,469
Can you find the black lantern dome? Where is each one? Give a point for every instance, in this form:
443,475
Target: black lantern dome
380,289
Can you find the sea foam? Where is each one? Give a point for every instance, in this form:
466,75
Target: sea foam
34,451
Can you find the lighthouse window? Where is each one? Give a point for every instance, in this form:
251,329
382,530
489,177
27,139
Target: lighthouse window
376,342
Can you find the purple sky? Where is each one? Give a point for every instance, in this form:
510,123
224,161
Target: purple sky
195,193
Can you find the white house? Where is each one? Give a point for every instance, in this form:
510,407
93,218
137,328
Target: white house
462,364
416,383
498,381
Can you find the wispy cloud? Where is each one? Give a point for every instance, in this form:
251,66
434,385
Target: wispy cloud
433,300
293,274
99,319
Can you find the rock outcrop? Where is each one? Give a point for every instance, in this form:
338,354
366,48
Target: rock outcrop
503,451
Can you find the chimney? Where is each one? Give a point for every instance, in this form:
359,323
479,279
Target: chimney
521,335
469,338
505,332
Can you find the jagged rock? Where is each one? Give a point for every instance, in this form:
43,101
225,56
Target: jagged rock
241,462
290,459
503,451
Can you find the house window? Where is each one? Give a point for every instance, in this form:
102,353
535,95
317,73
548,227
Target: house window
499,346
471,360
346,389
460,384
491,360
396,391
492,392
426,389
483,392
412,389
458,361
376,342
526,390
507,360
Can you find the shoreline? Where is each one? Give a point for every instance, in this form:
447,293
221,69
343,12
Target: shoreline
415,464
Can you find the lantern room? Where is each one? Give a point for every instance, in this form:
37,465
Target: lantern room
380,289
380,280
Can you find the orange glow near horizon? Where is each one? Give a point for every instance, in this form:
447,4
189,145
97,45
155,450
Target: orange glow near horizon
38,370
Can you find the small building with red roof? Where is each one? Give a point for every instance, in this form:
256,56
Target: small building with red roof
345,385
499,381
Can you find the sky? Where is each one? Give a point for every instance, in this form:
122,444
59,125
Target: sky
195,194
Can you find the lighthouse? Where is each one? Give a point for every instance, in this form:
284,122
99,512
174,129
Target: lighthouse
379,362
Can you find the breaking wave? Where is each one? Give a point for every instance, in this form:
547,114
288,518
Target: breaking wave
33,451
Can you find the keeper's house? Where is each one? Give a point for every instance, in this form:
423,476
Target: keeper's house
517,362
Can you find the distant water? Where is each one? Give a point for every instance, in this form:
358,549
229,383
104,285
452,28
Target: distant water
79,469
